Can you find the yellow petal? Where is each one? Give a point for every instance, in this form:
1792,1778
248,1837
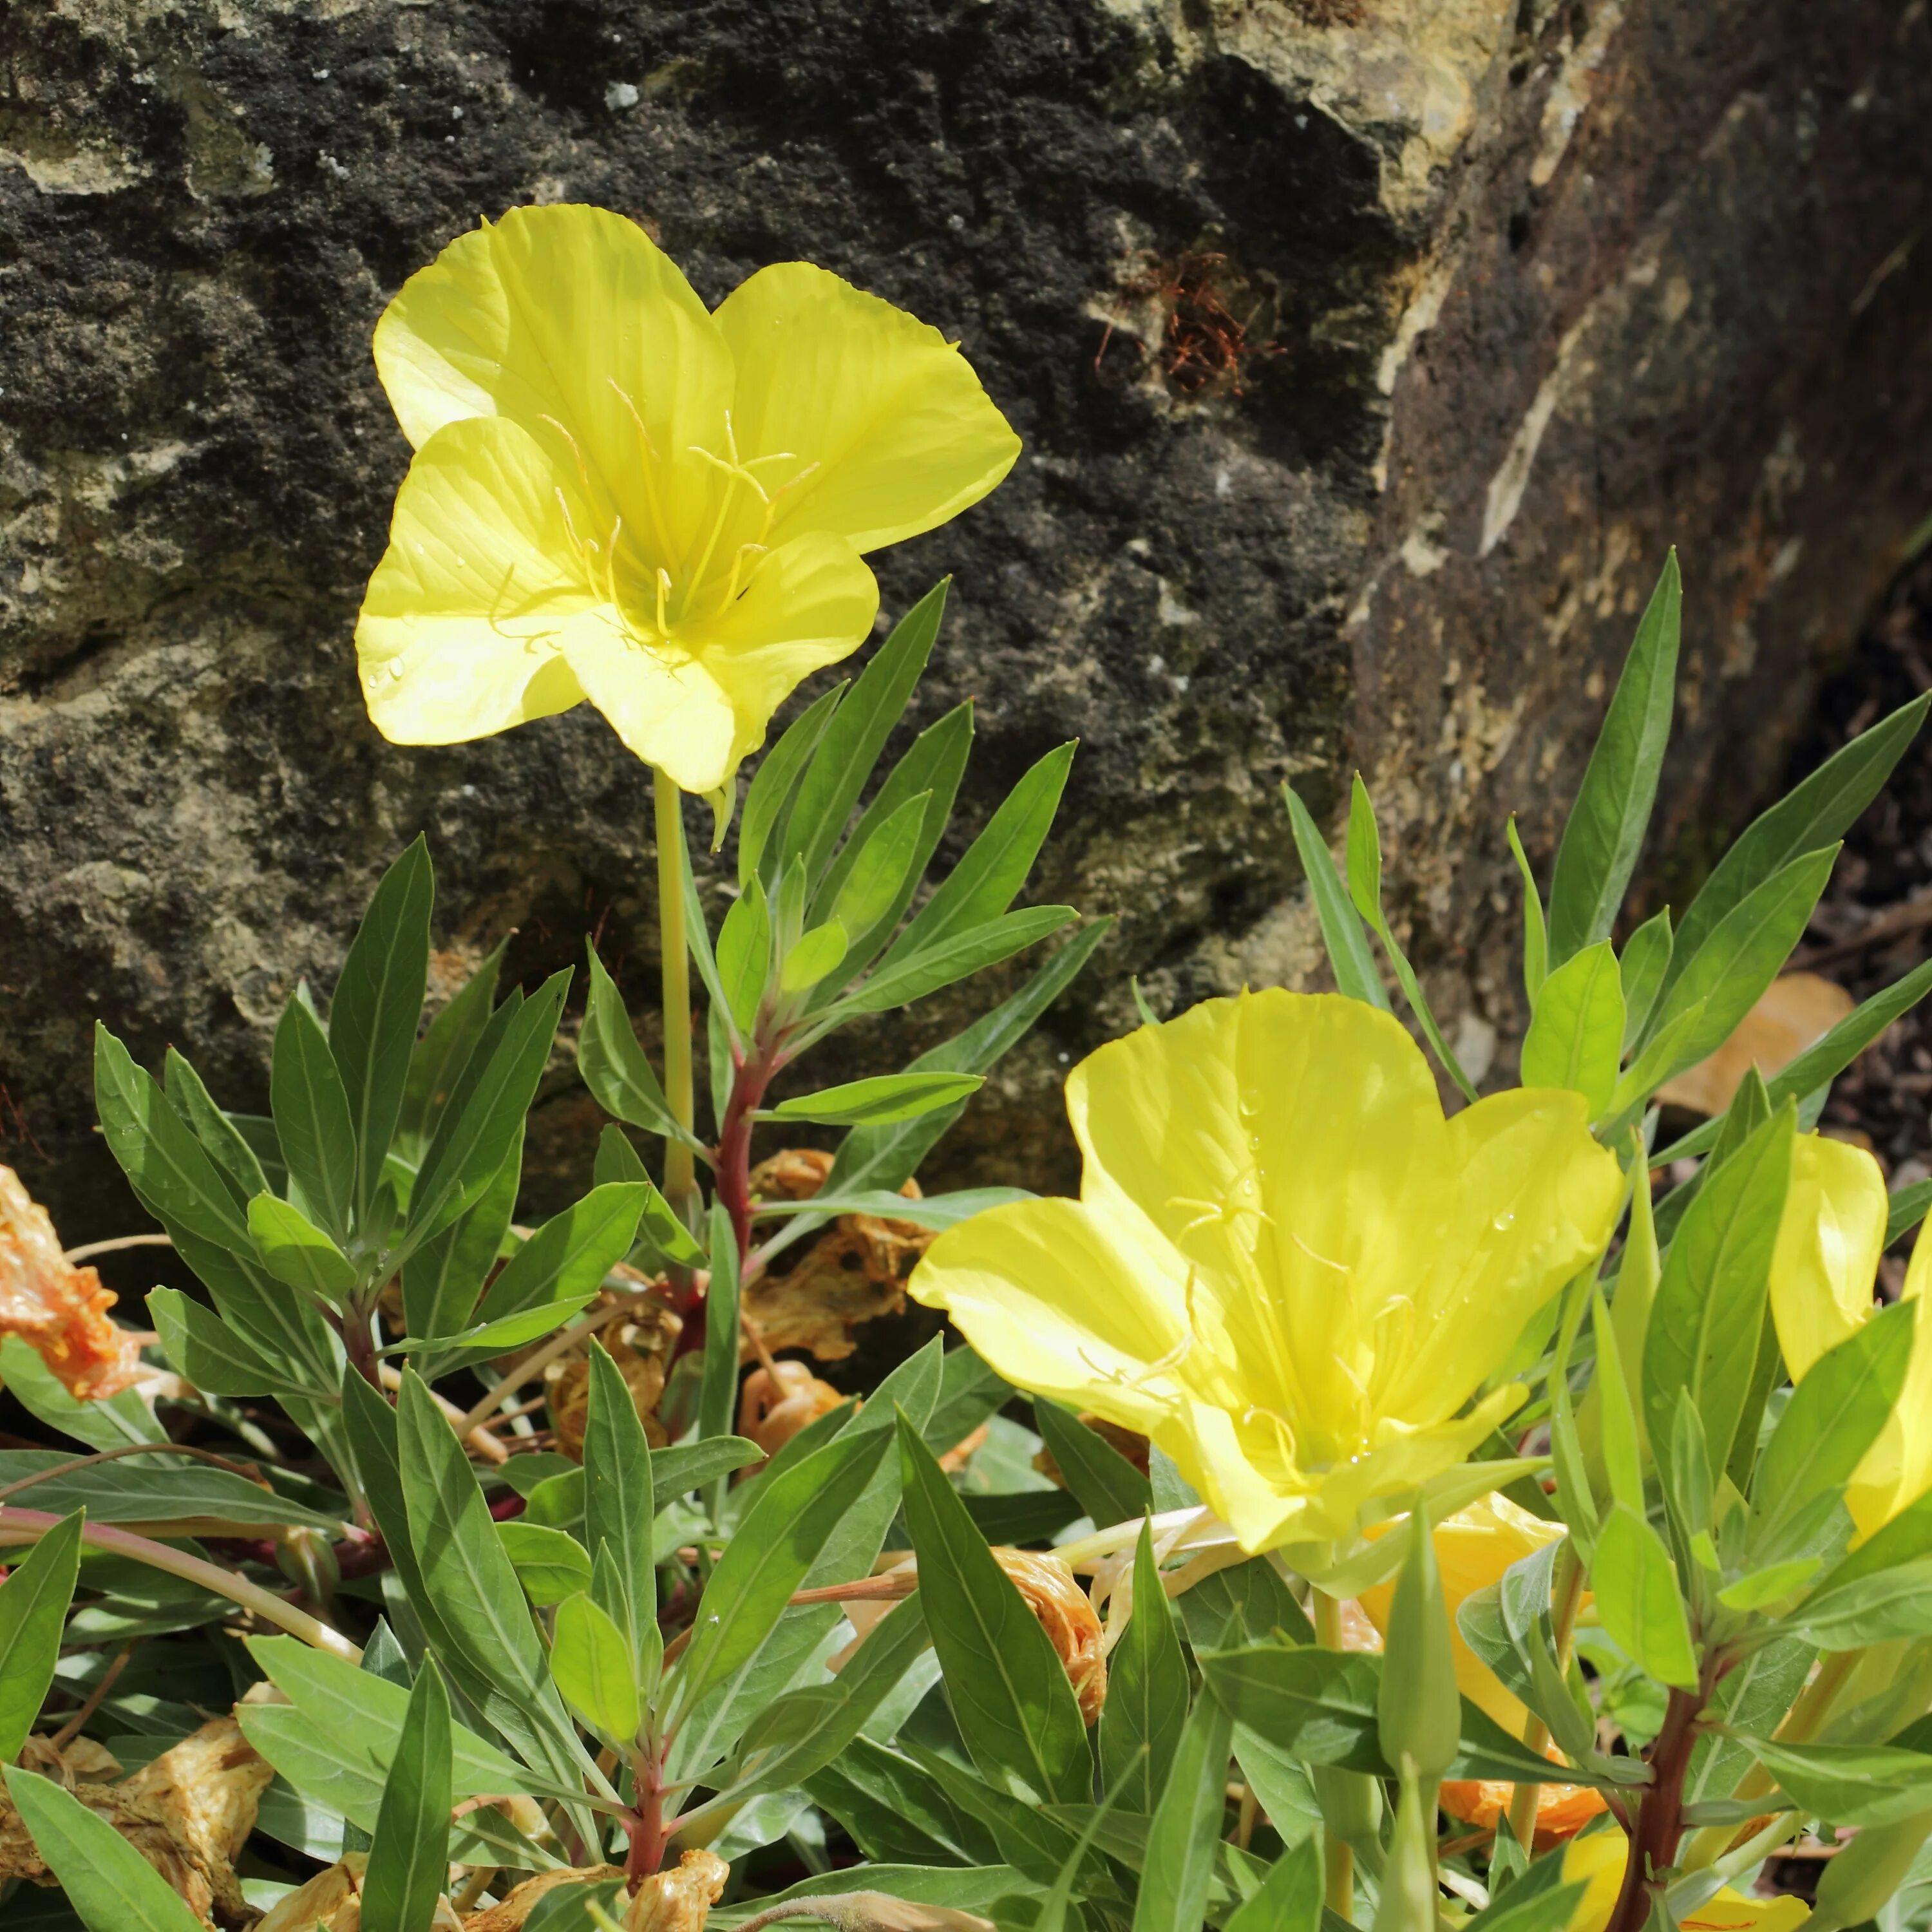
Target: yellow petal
457,637
1897,1470
807,605
902,435
667,708
1596,1863
1047,1293
570,321
1828,1246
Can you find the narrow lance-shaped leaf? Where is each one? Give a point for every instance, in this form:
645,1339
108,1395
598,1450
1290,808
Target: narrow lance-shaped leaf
108,1883
880,1101
1535,932
1141,1721
616,1068
1185,1836
1637,1598
33,1604
775,783
1607,823
618,1504
1646,958
408,1861
1349,958
1575,1038
310,1105
437,1060
377,1003
592,1661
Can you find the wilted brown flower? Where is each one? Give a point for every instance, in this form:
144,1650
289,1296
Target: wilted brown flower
59,1310
331,1901
855,1271
509,1914
680,1900
188,1814
641,1346
775,1403
1072,1624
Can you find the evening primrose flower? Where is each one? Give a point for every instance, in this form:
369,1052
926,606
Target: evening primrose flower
1286,1267
1596,1863
618,496
1823,1268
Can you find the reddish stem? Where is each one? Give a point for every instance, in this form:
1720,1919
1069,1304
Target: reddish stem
1659,1812
359,1344
644,1827
751,1077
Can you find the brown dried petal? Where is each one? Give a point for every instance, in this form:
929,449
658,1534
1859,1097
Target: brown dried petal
641,1347
680,1900
59,1311
508,1915
775,1404
1072,1626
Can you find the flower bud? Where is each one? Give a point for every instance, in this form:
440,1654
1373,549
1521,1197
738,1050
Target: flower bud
1419,1710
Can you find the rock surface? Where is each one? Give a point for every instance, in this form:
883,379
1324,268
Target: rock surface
1368,354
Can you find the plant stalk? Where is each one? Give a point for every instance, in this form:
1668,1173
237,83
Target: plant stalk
751,1076
1568,1594
680,1166
1659,1823
1338,1860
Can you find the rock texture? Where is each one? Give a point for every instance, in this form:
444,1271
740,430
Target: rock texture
1368,354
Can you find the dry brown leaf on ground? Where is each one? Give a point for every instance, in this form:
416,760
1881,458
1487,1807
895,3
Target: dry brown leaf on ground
814,1296
509,1914
188,1814
679,1900
60,1311
1795,1012
641,1346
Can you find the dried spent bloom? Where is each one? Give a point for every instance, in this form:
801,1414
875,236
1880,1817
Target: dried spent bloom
1065,1612
1562,1810
774,1404
619,496
60,1311
641,1347
815,1296
509,1913
1286,1267
679,1900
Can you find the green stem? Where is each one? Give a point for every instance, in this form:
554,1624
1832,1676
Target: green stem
680,1166
1338,1860
1568,1592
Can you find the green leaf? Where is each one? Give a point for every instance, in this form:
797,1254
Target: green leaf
374,1014
1535,933
996,865
745,955
1745,952
1607,823
619,1501
901,982
591,1660
467,1577
295,1251
505,1332
880,882
1576,1039
1141,1721
442,1280
1849,1612
1647,956
1318,1705
310,1105
1833,1417
33,1604
1761,1588
551,1565
615,1066
109,1884
1637,1598
567,1257
1850,1784
775,783
1349,958
718,1393
1007,1686
120,1420
1814,814
886,1157
1289,1899
854,738
1108,1487
216,1356
408,1861
879,1102
475,1137
157,1491
167,1166
816,956
777,1543
439,1059
1418,1709
937,1211
1704,1324
1365,888
1818,1065
1185,1836
227,1146
1618,1434
1909,1204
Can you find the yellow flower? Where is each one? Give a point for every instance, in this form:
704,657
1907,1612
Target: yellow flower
1596,1863
618,496
1823,1271
1286,1267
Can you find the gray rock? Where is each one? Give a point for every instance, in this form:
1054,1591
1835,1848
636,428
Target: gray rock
1368,354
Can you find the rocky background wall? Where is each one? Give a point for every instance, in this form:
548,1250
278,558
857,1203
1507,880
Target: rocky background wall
1368,354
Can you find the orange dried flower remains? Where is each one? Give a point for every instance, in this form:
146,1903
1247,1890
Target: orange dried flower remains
60,1311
